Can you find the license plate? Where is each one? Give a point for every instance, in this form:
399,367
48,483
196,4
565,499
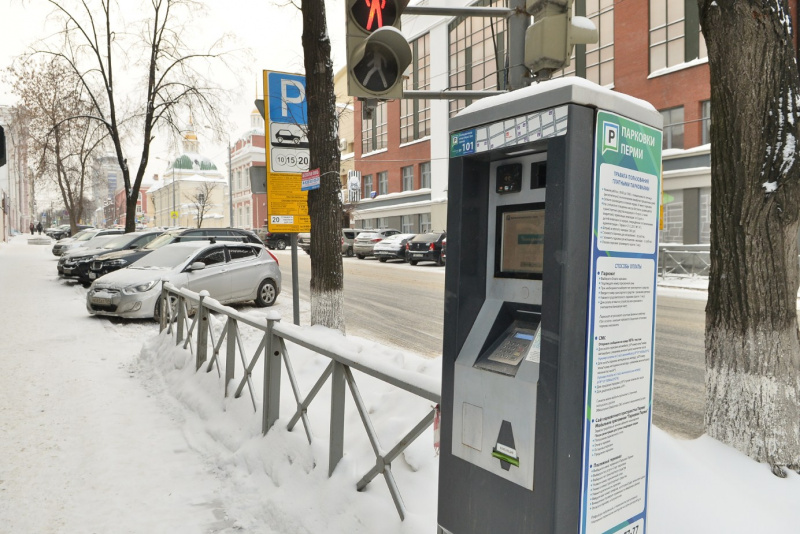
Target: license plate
101,300
418,254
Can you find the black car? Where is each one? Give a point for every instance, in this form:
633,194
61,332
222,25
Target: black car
426,247
78,264
117,260
274,240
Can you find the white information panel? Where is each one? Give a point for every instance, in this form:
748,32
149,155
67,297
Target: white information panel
619,371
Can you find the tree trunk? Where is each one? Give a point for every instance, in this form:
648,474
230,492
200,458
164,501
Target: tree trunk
324,204
752,343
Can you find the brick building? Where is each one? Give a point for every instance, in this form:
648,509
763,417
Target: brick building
649,49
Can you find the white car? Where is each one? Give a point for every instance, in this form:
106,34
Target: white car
230,272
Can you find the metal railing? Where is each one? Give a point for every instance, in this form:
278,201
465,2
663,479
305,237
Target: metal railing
683,260
193,332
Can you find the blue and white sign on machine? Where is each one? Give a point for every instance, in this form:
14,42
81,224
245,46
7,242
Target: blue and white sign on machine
619,371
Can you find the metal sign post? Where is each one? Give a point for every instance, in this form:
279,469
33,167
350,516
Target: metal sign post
287,157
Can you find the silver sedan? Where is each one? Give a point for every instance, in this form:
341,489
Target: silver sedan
230,272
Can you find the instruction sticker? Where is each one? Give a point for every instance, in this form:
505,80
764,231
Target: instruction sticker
619,370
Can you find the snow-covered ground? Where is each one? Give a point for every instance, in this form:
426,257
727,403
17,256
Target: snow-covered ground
105,427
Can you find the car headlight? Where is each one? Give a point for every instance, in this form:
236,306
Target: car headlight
140,288
115,263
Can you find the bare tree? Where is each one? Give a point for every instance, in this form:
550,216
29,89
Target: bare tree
201,200
63,139
752,343
98,47
324,204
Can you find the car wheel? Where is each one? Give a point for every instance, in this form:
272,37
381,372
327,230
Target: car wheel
360,256
349,252
413,262
173,304
382,260
267,293
281,244
439,261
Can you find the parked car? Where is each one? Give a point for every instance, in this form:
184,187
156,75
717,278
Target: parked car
365,242
55,231
77,264
348,238
392,248
426,247
304,242
230,272
274,240
66,262
66,231
220,234
114,261
80,239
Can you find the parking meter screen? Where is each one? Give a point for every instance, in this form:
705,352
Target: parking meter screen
522,243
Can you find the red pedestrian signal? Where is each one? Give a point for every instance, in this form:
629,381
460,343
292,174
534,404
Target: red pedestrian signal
377,52
371,15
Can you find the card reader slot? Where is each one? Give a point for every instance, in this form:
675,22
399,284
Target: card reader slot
510,340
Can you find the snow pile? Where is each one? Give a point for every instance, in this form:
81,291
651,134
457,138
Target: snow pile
281,481
696,486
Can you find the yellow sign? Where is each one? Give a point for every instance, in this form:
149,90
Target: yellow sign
173,214
287,151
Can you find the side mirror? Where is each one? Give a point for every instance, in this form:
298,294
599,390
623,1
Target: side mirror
197,266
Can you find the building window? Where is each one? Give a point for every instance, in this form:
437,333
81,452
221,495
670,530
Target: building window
666,34
415,114
673,128
425,175
383,223
408,178
706,129
600,55
673,217
597,63
424,223
406,224
374,130
249,222
705,215
477,53
675,35
367,186
383,182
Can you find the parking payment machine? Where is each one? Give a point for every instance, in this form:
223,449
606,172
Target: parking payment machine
553,208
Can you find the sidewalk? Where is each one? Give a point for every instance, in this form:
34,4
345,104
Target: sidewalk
85,447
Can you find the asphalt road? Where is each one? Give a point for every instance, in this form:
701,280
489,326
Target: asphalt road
402,305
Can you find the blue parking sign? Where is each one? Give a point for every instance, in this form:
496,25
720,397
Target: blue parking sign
287,98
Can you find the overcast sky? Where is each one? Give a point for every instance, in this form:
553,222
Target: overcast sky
271,29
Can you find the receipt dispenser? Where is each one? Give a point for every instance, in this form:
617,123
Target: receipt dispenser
522,256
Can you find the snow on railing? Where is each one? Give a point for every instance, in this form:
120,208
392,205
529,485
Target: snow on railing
195,334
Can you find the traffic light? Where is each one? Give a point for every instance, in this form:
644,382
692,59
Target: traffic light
553,34
377,52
